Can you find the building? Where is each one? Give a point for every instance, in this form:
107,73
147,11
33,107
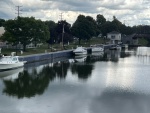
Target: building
131,40
114,37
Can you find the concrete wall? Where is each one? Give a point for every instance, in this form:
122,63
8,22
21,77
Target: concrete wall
46,56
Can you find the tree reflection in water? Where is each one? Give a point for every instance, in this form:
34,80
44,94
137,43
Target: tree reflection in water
31,84
84,70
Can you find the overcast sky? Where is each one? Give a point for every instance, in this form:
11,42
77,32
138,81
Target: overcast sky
130,12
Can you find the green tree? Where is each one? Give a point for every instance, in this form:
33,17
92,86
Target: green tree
11,31
25,30
52,29
100,20
41,32
63,29
1,22
84,28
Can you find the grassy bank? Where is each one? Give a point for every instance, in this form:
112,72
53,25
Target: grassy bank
55,47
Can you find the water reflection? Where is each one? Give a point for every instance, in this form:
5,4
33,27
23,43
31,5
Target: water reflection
35,79
143,54
121,102
80,58
99,83
113,55
31,83
10,73
83,71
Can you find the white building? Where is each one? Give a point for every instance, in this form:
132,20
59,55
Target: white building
115,37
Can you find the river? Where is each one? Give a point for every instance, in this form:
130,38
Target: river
113,82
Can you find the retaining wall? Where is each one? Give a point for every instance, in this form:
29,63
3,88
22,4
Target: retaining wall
46,56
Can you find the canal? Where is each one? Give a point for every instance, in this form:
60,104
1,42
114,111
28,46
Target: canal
110,82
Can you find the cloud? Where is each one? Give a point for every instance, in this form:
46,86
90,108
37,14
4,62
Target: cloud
51,9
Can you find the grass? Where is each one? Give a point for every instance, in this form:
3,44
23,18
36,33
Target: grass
55,47
143,41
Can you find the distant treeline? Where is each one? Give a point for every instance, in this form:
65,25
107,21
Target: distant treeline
28,29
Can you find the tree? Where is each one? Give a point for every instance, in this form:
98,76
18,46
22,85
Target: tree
52,29
1,22
41,32
84,28
63,29
25,30
100,20
11,31
116,24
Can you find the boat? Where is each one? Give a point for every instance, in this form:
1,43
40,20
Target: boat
80,51
10,62
97,49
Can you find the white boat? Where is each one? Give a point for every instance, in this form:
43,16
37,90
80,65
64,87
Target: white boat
97,48
80,51
10,62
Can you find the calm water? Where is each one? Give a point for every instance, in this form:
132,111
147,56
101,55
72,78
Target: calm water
114,82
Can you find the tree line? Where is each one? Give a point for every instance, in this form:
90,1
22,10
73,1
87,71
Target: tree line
25,30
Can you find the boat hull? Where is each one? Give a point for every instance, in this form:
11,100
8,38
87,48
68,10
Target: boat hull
80,53
97,49
6,67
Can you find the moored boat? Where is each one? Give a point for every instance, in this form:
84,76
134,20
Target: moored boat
10,62
97,48
80,51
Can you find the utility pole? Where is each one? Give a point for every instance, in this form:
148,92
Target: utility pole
63,36
61,16
18,10
17,38
61,20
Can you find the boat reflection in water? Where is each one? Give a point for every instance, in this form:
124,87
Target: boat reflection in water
81,58
11,73
100,54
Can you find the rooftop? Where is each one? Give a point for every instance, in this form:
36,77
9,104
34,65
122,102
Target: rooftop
114,32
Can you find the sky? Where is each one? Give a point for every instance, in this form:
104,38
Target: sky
129,12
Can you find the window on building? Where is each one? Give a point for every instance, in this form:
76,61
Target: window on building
112,36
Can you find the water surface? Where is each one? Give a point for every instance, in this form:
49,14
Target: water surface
114,82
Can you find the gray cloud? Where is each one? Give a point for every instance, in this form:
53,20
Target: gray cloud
122,9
